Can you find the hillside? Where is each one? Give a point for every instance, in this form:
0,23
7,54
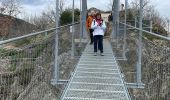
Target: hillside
13,27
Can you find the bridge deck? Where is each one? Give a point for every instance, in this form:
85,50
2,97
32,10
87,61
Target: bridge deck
96,78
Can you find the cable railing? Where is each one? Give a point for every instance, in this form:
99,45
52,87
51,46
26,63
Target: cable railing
155,63
27,63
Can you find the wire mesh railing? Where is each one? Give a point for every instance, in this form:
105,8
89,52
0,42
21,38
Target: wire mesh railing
27,64
155,63
156,68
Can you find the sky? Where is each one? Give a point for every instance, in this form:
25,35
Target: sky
35,7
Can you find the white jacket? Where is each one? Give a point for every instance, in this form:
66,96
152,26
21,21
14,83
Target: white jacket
98,30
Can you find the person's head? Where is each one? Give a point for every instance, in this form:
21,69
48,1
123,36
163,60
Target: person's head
92,13
98,16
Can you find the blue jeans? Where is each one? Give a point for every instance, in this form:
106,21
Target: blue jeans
98,43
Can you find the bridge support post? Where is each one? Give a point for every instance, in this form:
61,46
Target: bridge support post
83,12
125,31
115,13
55,79
73,30
81,24
117,20
139,63
113,20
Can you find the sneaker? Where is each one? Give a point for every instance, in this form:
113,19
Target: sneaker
101,54
95,54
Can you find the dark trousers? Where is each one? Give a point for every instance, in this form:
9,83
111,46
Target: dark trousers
91,35
98,42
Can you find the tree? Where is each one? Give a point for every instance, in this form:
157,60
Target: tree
149,13
49,16
10,7
167,22
66,16
62,4
135,6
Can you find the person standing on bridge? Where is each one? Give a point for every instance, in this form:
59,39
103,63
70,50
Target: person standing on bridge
88,25
99,26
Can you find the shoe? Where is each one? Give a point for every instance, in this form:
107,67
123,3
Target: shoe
95,54
101,54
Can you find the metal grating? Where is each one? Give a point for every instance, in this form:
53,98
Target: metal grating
92,80
102,60
97,87
97,75
96,78
98,66
97,95
99,63
97,70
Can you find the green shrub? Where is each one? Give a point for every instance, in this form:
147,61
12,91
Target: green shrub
22,42
66,16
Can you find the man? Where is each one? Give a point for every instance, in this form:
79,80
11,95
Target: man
88,25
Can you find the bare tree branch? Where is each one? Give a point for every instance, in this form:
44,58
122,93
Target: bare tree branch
10,7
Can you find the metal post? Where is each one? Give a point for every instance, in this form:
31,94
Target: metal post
84,13
125,30
118,12
117,21
46,34
168,29
135,21
56,68
81,24
73,45
151,27
168,25
139,64
113,20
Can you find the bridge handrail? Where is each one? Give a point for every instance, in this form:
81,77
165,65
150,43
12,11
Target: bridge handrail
136,22
33,34
164,37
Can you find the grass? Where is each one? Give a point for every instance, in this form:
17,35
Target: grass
22,42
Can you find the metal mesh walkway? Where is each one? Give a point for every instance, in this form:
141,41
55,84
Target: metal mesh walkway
96,78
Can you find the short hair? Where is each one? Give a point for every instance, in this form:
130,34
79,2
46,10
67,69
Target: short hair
92,11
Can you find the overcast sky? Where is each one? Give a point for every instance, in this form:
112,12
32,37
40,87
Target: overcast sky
32,7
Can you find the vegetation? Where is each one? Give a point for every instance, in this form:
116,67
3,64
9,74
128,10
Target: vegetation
66,16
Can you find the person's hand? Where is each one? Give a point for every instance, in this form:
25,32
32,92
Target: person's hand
101,23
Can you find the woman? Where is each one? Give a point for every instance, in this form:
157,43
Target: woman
99,26
88,25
